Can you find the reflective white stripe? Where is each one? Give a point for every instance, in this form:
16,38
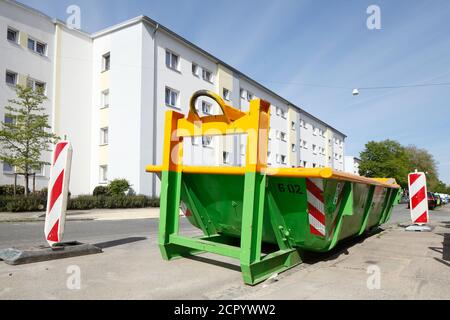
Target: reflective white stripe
58,167
58,212
316,224
316,203
53,216
317,182
419,210
417,185
421,207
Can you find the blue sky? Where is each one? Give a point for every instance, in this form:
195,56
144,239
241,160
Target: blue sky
288,45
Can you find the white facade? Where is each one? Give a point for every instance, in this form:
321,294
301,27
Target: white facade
110,91
26,65
352,165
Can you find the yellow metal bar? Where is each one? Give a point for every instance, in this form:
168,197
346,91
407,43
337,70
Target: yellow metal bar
214,170
323,173
152,168
373,181
300,172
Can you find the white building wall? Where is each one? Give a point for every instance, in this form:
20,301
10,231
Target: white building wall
186,84
135,117
351,165
26,63
312,142
72,101
100,82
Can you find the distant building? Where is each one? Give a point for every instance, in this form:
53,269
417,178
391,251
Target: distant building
352,164
109,91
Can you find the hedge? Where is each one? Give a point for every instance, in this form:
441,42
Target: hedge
8,190
38,202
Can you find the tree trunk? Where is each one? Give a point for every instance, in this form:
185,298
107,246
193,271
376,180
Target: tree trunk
26,184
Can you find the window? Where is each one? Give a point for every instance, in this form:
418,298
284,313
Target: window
207,75
314,131
103,174
282,136
194,140
206,107
243,93
226,157
283,159
9,119
105,99
106,61
7,168
11,78
278,111
12,35
36,85
305,144
283,113
314,147
305,163
195,70
293,147
250,96
206,141
104,136
314,165
278,158
293,125
36,46
226,94
171,97
172,60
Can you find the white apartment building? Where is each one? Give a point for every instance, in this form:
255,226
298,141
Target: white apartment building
108,93
352,165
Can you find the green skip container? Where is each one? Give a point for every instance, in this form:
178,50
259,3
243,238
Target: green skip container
239,209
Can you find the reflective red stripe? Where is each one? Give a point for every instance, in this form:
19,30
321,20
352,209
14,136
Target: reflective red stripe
56,190
413,177
53,234
418,197
59,147
316,213
422,218
315,231
314,190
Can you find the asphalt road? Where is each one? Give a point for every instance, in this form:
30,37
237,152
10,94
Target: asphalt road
31,233
413,266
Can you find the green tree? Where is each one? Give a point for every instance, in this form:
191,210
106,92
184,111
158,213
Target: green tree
24,139
423,161
385,159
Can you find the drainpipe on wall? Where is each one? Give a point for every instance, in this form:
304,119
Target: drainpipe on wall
155,101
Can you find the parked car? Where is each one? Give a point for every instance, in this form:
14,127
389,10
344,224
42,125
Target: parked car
438,199
432,201
444,198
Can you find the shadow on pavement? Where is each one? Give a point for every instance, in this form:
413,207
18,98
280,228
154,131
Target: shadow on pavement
341,248
222,264
445,250
118,242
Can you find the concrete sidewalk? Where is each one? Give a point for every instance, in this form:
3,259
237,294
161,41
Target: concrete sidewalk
94,214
